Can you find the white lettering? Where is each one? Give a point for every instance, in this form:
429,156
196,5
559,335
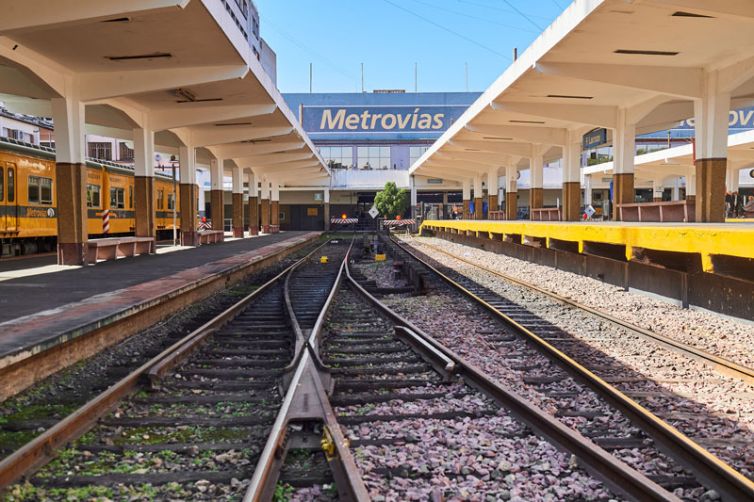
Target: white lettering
328,122
392,121
438,121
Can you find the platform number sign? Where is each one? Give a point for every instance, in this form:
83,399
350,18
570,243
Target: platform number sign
374,212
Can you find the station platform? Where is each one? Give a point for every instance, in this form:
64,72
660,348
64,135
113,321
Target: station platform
43,313
708,240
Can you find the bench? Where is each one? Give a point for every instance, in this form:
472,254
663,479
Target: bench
545,214
211,236
674,211
112,248
496,215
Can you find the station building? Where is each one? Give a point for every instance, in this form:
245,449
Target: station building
367,140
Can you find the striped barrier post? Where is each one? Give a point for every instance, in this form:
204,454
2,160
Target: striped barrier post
106,221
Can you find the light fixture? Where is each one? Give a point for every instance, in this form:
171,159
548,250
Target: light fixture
154,55
641,52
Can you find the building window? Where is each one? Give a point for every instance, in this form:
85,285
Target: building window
40,190
126,154
102,151
171,201
374,157
117,198
18,135
337,157
160,199
415,152
92,196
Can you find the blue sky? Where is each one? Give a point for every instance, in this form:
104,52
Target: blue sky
389,36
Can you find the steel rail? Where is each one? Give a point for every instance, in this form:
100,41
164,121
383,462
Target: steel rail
717,474
720,364
41,449
347,473
617,475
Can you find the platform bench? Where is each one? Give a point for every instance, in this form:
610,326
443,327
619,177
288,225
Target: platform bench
112,248
496,215
211,236
545,214
674,211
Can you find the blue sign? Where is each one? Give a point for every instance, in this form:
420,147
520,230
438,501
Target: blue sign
595,138
379,119
737,119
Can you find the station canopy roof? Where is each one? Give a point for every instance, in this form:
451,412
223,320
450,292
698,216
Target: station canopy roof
600,62
180,67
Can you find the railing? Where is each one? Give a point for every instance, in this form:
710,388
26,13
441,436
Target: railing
546,214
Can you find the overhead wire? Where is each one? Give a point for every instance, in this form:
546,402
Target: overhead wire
525,16
463,14
449,30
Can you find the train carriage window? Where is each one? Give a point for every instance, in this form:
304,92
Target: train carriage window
160,199
11,184
171,201
2,184
46,191
131,197
117,198
92,196
34,189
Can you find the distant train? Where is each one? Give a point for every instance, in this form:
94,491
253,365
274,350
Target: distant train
28,205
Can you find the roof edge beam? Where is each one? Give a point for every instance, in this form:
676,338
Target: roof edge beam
204,114
544,135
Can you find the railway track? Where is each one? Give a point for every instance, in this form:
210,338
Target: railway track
189,423
303,383
529,337
719,364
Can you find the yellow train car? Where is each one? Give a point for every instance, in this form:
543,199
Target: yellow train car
28,200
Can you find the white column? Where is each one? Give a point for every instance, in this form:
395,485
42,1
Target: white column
624,144
588,190
493,182
217,173
511,178
466,189
414,198
477,187
264,191
657,189
275,191
572,159
537,166
732,176
187,168
143,152
691,181
70,143
237,180
253,184
326,195
711,120
676,193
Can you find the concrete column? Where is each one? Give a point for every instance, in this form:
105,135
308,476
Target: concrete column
70,170
493,189
537,193
732,178
624,151
711,125
144,182
572,179
676,193
657,190
588,190
188,195
216,200
237,199
478,198
466,199
264,206
275,208
253,204
326,199
691,185
414,198
511,192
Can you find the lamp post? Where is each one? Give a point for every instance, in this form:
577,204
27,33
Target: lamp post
174,166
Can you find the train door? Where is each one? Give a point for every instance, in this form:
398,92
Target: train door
9,198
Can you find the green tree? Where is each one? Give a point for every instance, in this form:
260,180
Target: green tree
390,201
